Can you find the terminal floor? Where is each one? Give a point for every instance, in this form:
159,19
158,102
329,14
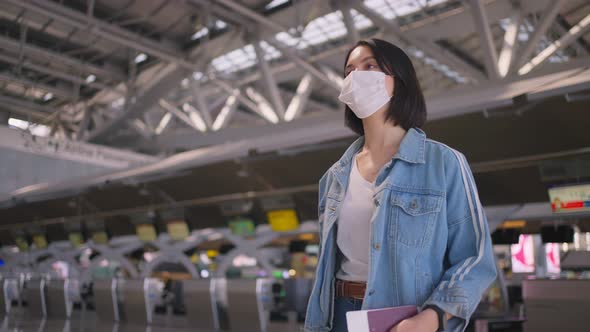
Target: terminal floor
49,325
88,322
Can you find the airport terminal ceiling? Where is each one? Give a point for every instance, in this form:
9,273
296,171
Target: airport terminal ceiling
166,77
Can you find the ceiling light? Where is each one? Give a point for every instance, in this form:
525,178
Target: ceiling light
163,123
18,123
275,3
141,57
195,117
48,96
200,33
219,24
90,78
197,75
225,112
184,83
263,106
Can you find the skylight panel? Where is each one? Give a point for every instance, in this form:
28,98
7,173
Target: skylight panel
360,21
391,9
382,7
286,39
235,60
270,52
324,28
442,68
320,30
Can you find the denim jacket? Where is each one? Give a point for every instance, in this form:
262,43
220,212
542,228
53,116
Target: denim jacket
429,237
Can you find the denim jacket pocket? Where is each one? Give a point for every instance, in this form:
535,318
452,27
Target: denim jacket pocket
413,217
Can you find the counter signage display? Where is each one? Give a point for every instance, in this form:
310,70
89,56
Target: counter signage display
76,239
40,241
146,232
283,220
21,243
572,198
100,237
242,227
177,230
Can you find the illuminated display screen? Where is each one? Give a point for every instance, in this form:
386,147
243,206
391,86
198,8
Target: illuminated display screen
242,227
570,198
523,255
553,257
177,229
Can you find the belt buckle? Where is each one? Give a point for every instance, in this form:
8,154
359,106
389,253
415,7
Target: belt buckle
361,297
361,288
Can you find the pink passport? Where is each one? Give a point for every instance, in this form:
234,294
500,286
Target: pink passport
378,320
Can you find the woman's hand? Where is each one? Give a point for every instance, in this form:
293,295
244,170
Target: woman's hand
425,321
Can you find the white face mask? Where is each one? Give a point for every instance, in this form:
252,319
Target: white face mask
364,92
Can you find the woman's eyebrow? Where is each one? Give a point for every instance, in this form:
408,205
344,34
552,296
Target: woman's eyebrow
362,61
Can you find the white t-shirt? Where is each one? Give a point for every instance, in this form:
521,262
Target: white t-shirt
354,225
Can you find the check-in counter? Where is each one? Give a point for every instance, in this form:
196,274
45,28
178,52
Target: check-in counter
249,303
200,301
556,305
35,293
61,295
298,291
140,297
11,293
3,301
107,300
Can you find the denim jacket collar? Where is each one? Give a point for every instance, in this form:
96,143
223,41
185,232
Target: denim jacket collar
411,150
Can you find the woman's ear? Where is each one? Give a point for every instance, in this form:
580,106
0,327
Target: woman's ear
390,84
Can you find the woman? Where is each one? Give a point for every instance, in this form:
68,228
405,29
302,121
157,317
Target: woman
399,215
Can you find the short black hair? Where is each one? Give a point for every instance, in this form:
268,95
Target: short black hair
407,107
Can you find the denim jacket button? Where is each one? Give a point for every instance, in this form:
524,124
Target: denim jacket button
376,246
376,201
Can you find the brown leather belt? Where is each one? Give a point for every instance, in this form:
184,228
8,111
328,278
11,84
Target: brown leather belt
350,289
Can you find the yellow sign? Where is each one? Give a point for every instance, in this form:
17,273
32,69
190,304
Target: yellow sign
40,241
100,237
212,253
21,243
75,239
146,232
306,237
283,220
513,224
177,229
